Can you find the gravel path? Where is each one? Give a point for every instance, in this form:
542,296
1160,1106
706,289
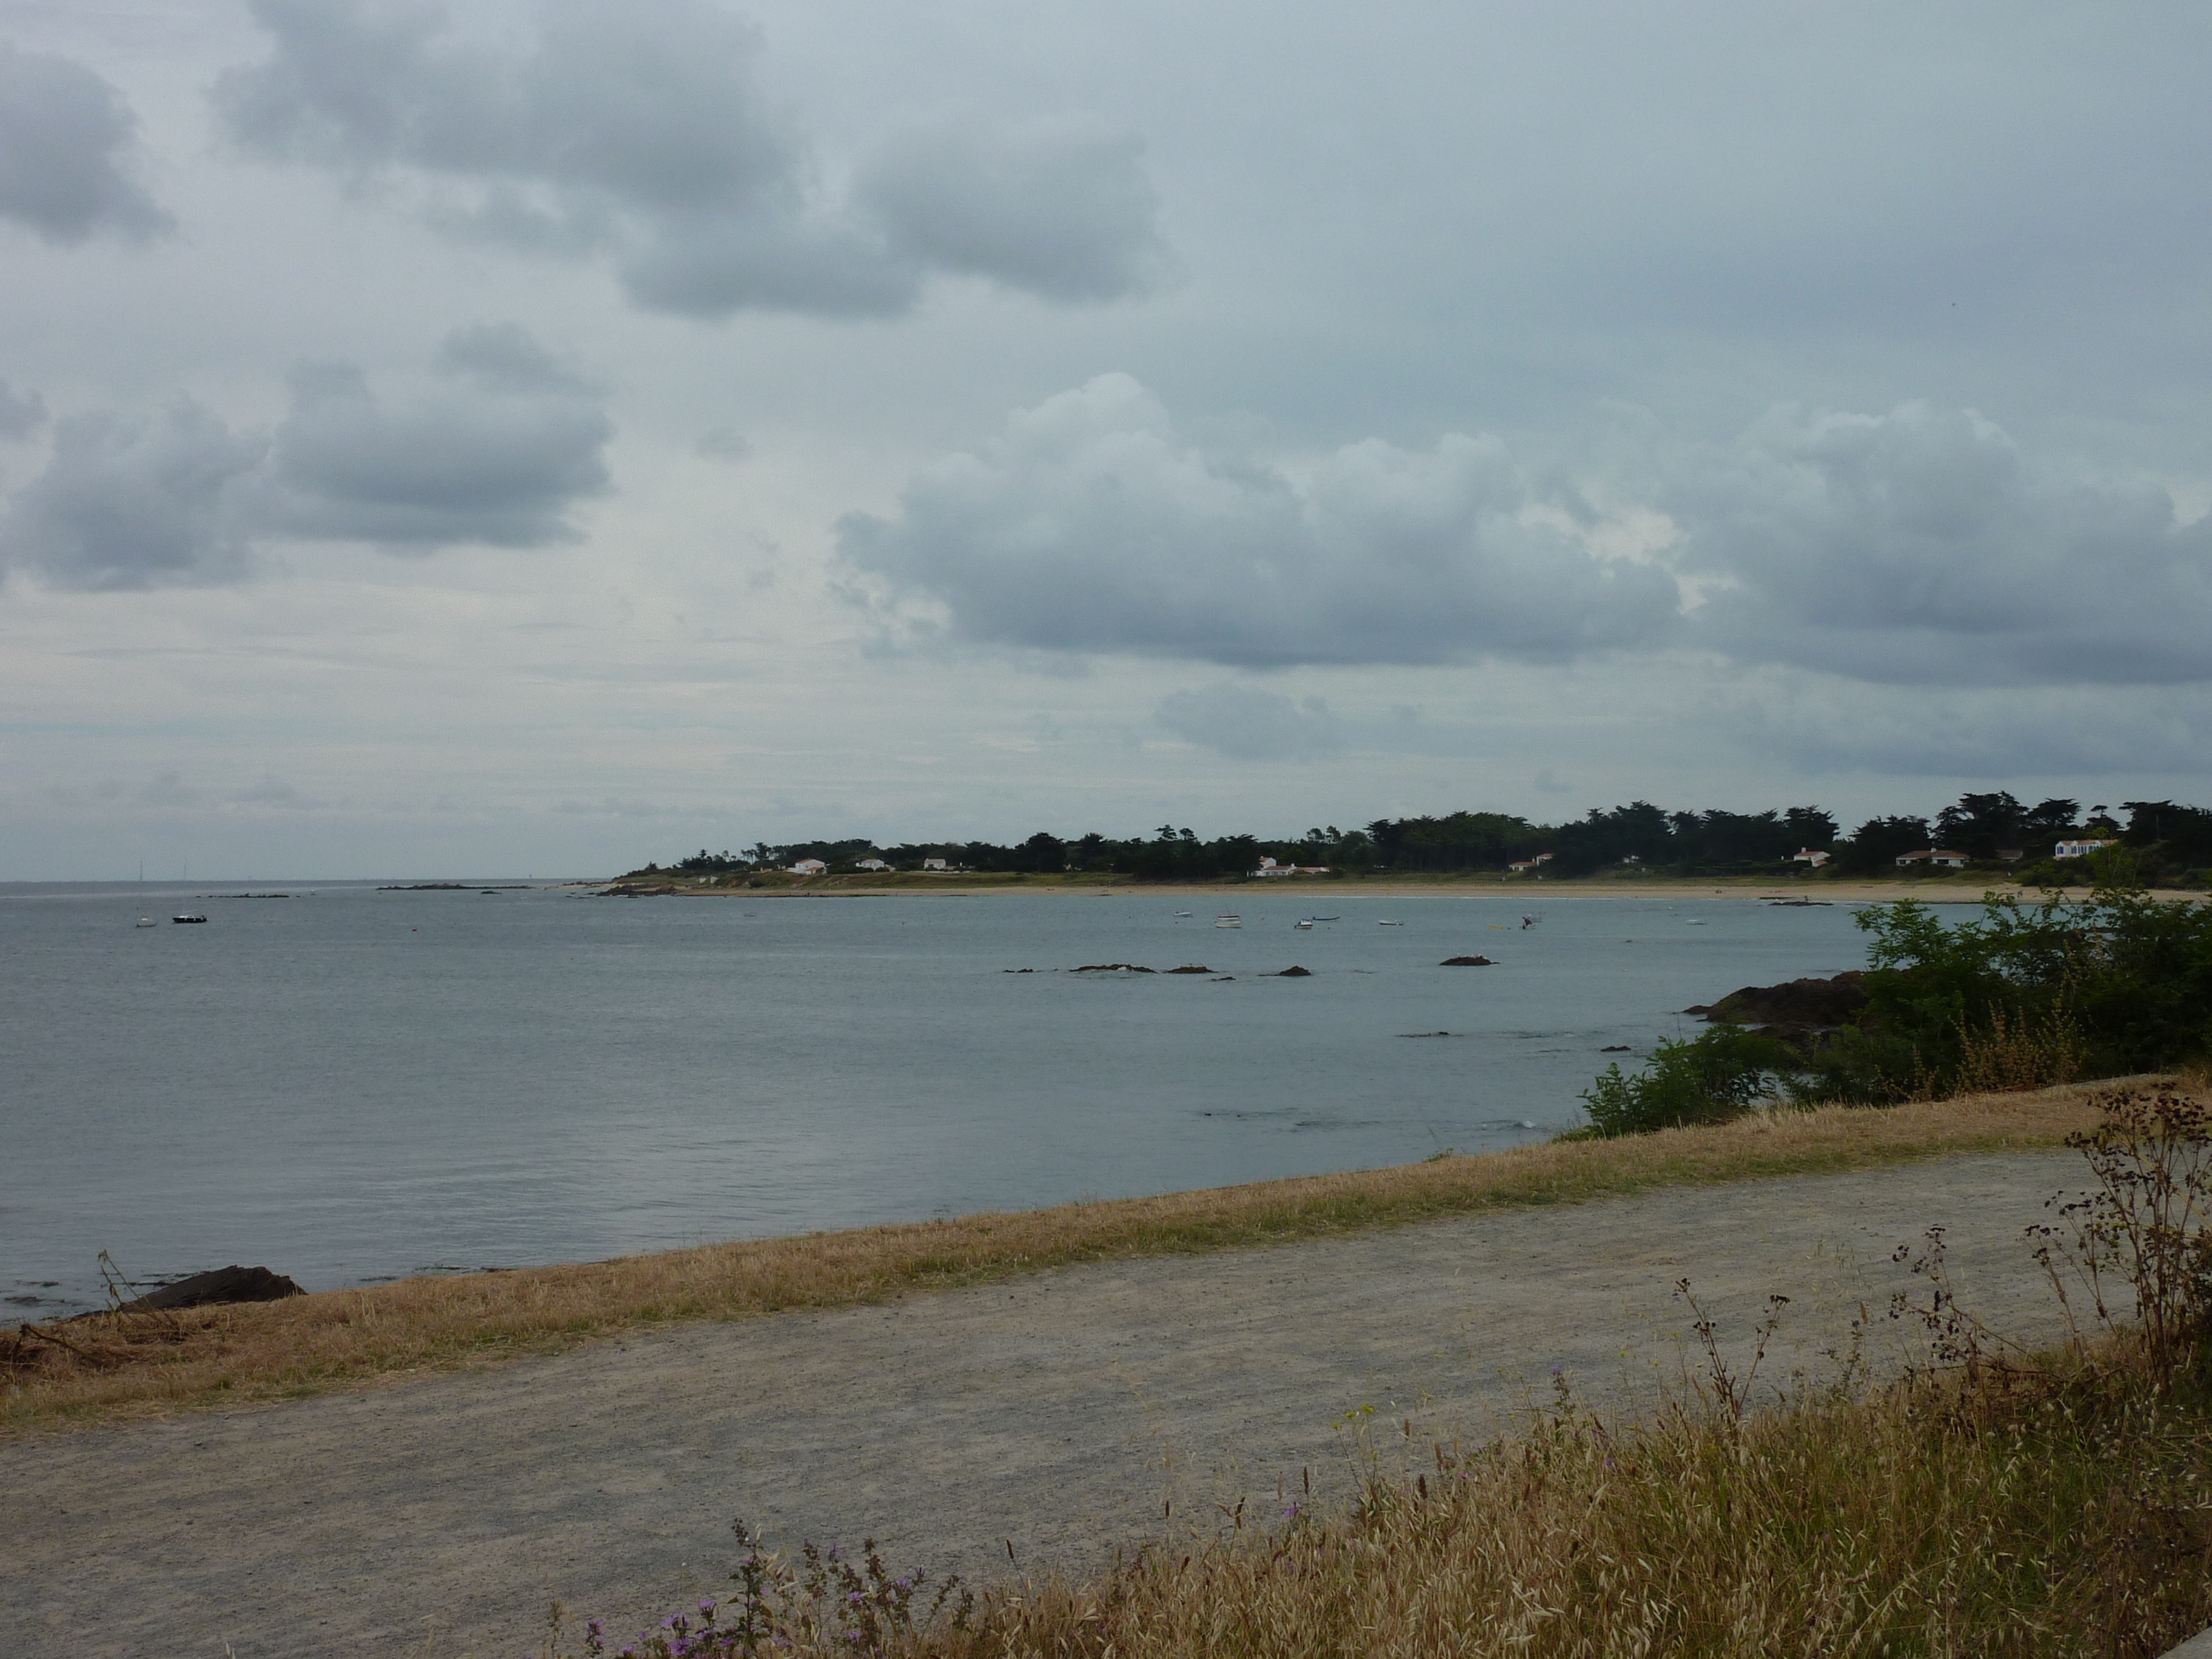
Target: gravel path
1058,1413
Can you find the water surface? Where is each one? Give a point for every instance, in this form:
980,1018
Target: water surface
348,1084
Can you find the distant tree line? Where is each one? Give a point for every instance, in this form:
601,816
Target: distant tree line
2164,842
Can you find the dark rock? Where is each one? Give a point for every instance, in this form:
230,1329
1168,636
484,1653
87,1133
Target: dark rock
1614,1049
1798,1007
1293,973
1466,962
1112,967
1187,969
231,1284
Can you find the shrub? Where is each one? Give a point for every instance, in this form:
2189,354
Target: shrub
1715,1076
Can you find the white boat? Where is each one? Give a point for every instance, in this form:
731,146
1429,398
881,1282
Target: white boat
1303,927
148,921
1389,923
1182,913
188,916
1229,922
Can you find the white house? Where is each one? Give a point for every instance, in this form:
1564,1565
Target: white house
1932,856
935,864
1269,868
1808,856
809,867
872,864
1526,864
2080,850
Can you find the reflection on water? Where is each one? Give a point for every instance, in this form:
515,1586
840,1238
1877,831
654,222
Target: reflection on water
347,1085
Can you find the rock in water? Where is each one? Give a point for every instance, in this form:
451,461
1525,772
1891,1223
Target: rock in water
1466,962
1294,973
231,1284
1799,1007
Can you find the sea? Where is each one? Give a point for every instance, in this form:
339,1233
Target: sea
349,1084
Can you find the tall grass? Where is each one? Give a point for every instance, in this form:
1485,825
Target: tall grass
120,1366
1989,1503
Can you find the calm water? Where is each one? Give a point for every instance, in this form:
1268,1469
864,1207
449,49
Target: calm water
348,1085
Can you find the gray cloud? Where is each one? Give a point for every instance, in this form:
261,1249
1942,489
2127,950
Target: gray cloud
1923,547
1064,210
130,503
275,793
1920,547
21,413
642,135
1246,723
497,448
65,138
496,452
1820,725
1093,525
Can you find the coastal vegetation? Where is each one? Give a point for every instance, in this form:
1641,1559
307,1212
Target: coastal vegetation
2025,995
135,1364
1991,1501
2164,844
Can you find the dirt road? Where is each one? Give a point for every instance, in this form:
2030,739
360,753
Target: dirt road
1058,1413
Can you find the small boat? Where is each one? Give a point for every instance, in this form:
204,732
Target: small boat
1303,927
1324,918
147,921
1229,922
1182,913
188,916
1389,923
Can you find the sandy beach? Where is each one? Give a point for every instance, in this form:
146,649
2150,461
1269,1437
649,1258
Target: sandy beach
1524,891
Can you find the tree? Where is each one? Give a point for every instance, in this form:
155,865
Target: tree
1876,844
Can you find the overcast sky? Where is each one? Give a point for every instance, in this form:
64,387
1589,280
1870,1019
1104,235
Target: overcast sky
538,435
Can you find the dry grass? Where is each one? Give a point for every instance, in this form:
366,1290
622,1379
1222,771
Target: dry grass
1992,1502
2066,1517
115,1367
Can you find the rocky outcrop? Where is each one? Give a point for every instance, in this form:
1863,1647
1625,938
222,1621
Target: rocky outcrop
1466,962
1798,1008
231,1284
1293,973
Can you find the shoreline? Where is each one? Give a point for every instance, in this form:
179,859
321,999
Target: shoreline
107,1369
1743,889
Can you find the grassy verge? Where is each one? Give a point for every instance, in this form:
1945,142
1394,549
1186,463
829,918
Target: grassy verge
2058,1511
2051,1505
113,1367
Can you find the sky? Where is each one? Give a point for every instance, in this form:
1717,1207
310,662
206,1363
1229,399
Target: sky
534,436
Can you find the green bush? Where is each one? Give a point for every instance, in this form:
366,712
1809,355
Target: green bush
1717,1075
2024,994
